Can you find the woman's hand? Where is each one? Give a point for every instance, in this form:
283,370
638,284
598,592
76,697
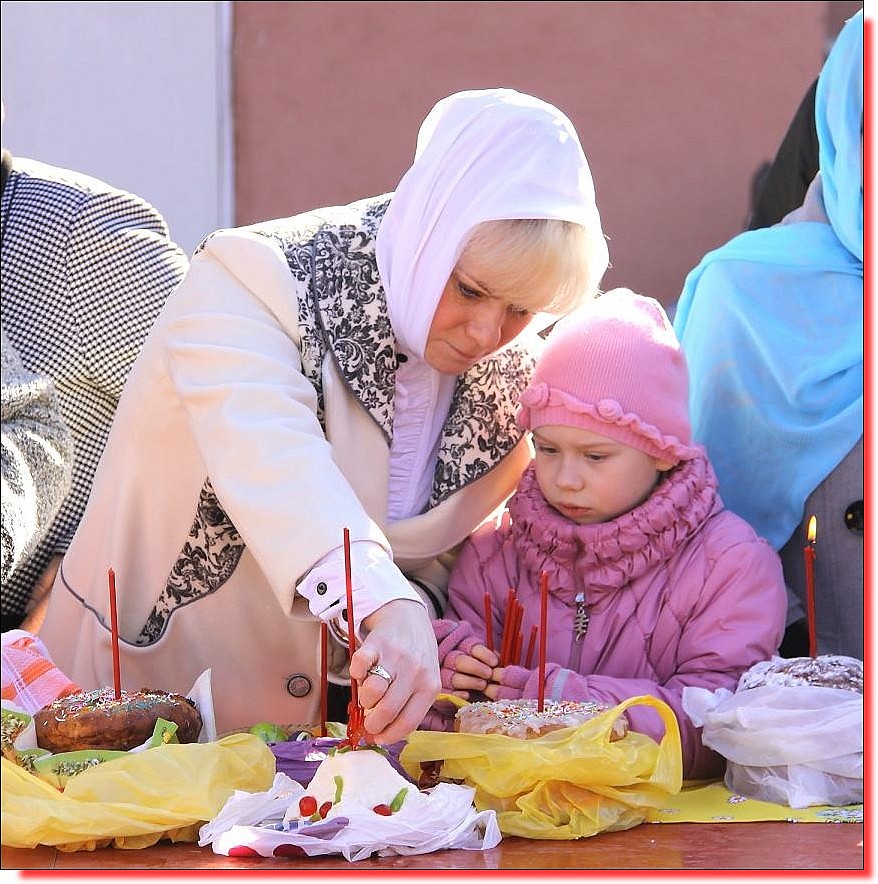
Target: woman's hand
399,638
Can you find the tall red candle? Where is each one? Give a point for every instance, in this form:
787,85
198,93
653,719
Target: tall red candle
355,729
489,623
508,615
810,554
531,644
516,650
324,679
544,611
349,594
114,634
517,638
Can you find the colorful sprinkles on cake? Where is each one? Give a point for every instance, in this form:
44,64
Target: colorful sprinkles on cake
12,726
104,699
521,716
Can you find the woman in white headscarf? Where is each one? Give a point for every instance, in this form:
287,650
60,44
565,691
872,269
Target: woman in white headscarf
356,367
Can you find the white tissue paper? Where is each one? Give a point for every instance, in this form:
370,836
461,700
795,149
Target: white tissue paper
793,745
264,824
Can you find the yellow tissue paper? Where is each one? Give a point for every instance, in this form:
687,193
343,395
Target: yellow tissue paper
134,801
570,783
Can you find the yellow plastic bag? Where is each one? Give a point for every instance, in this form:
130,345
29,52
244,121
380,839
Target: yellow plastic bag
135,801
570,783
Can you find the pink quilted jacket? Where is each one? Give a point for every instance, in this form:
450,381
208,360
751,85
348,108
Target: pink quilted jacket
677,592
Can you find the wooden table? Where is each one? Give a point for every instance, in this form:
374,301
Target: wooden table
766,845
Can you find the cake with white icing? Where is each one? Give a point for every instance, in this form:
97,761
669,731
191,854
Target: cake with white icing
363,777
523,720
825,670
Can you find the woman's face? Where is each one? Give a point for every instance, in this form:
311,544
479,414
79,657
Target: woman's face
474,319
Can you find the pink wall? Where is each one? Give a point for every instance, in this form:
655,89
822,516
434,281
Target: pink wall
676,103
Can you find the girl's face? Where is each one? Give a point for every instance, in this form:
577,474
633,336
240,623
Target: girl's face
591,478
474,318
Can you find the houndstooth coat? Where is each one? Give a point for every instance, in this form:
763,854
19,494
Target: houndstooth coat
85,270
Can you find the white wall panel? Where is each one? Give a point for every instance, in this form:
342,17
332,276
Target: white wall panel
134,93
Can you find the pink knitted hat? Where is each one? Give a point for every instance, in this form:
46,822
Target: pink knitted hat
615,367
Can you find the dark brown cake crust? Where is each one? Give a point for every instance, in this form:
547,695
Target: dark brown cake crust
97,720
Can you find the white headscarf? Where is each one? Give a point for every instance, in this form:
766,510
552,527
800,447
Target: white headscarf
483,155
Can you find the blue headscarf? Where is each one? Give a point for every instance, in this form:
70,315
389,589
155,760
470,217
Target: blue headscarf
772,327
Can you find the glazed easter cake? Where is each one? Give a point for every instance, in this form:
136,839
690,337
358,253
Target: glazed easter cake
826,670
522,719
97,720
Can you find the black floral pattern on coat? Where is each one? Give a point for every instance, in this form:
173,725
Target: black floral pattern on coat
205,563
480,429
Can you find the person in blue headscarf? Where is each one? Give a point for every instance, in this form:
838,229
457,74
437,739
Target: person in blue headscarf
772,327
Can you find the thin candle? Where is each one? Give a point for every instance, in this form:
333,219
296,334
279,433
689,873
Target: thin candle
516,649
507,626
512,616
544,610
114,635
810,554
355,711
531,644
349,595
324,680
489,623
517,638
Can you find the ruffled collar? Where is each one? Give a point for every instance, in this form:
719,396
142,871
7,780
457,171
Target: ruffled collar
609,555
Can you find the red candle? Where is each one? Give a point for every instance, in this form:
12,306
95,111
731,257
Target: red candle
114,635
544,609
324,680
531,644
513,618
489,623
507,627
811,554
516,638
355,711
516,649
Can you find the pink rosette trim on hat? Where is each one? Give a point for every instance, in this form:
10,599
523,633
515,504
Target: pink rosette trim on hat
606,417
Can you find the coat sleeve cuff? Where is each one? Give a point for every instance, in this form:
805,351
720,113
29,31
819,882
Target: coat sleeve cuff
375,581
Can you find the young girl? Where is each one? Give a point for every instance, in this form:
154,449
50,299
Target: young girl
653,585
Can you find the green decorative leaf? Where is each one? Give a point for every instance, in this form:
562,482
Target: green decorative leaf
12,724
163,732
269,732
57,769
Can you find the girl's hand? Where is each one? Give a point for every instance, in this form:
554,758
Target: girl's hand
493,689
473,671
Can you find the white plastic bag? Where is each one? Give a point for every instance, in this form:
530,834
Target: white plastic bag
255,825
793,745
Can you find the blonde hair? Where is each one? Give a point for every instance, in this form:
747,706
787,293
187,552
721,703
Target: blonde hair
538,254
